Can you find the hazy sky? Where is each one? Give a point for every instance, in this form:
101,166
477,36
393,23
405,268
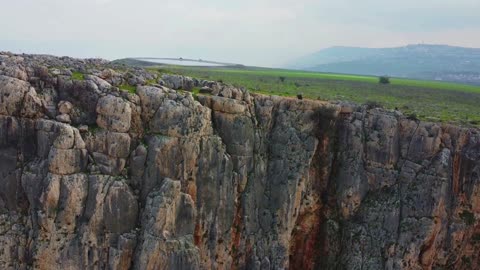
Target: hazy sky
255,32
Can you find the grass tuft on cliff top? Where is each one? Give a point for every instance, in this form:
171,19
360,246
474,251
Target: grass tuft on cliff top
78,76
195,93
151,82
129,88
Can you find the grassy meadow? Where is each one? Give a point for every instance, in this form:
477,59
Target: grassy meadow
426,100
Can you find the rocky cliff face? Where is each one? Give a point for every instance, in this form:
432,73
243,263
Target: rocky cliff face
93,177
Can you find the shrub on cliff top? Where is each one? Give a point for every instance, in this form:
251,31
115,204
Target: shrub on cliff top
384,80
373,104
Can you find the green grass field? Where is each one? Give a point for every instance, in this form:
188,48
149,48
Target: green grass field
428,100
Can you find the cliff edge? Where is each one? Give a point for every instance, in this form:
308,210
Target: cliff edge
95,177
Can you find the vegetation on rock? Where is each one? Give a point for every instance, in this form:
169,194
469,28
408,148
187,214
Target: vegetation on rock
78,76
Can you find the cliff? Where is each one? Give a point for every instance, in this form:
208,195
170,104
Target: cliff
94,177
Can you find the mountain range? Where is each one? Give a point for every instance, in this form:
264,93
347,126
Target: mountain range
421,61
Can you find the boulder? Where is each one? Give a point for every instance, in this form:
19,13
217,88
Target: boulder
64,107
179,82
64,118
12,97
167,241
114,114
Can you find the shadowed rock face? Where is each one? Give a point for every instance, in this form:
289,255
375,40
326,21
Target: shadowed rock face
229,180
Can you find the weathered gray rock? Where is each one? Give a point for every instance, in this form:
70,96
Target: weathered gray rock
15,72
67,161
65,107
181,117
151,98
111,76
17,98
83,128
114,114
179,82
169,223
64,118
99,82
137,165
109,150
206,90
82,95
109,165
33,107
120,209
80,213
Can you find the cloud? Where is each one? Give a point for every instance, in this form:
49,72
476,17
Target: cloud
104,2
261,32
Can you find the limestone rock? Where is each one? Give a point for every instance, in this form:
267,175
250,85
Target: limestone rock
101,84
109,165
32,105
83,96
120,209
151,98
67,161
180,117
12,94
167,242
109,150
83,128
64,107
179,82
137,165
114,114
64,118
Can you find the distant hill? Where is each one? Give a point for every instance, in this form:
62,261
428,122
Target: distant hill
154,61
433,62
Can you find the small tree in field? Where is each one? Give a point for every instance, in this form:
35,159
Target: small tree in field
282,78
384,80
